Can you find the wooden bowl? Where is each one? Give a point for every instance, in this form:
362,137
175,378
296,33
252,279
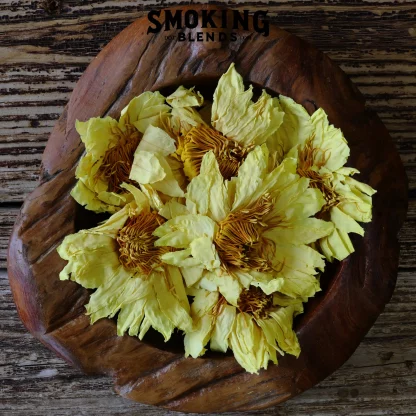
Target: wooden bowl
355,291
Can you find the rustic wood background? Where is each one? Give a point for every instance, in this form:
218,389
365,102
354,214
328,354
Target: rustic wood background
42,55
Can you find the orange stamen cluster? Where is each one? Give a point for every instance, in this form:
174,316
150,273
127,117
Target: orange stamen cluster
136,243
311,157
255,302
200,140
239,239
118,159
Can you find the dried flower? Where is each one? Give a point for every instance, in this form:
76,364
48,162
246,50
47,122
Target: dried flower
118,152
119,259
237,201
237,124
256,330
252,230
321,152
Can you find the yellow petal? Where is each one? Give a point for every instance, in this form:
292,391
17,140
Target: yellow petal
329,141
307,203
173,209
173,306
181,258
97,134
248,344
203,250
111,226
153,197
184,97
156,318
290,195
89,199
192,275
222,329
109,298
146,109
360,186
277,329
92,259
180,231
131,315
175,278
222,282
344,222
156,140
239,118
208,191
250,177
183,119
254,181
169,185
152,168
196,340
146,168
112,199
295,129
297,266
302,231
337,245
201,307
142,202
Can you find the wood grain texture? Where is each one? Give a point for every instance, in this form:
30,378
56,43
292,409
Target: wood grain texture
335,321
42,58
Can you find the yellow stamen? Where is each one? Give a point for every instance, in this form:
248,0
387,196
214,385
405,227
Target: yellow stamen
217,309
137,251
238,241
117,161
201,140
255,302
308,159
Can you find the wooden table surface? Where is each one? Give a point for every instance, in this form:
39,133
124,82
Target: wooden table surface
41,58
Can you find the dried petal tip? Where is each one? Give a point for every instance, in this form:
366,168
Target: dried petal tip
200,140
137,251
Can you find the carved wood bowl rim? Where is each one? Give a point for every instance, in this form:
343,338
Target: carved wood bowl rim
334,323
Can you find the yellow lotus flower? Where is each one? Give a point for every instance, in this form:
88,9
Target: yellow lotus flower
237,124
321,152
133,149
252,230
257,329
118,259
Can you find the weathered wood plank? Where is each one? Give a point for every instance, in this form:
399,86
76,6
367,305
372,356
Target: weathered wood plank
378,379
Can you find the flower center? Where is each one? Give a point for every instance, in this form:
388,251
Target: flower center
200,140
307,160
255,302
117,161
137,251
239,240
